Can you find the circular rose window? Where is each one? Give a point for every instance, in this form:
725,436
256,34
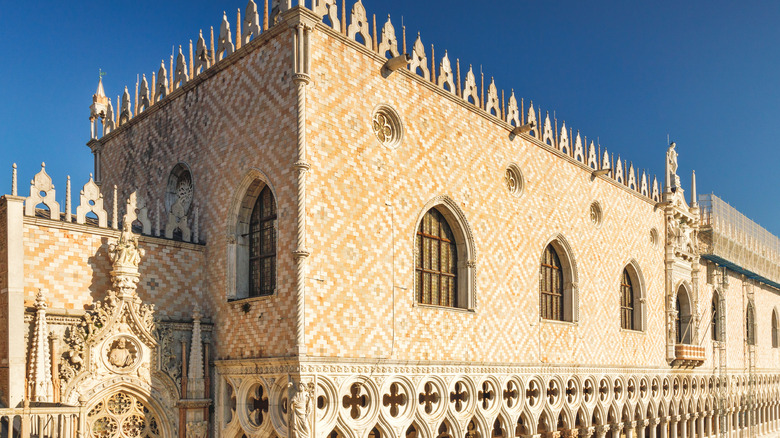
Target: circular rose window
387,127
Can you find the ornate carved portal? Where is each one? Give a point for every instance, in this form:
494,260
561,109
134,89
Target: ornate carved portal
122,415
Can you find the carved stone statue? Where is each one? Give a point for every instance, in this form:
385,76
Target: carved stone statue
300,409
671,163
126,253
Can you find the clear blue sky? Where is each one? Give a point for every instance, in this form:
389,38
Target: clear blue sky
629,73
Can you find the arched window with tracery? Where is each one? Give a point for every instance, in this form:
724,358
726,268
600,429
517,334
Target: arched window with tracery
775,330
626,302
551,286
436,272
683,321
262,245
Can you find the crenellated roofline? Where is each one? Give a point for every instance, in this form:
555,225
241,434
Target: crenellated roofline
205,61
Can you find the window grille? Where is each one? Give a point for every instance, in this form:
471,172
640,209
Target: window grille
262,245
436,270
551,286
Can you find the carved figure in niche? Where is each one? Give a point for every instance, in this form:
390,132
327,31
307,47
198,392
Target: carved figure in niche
300,408
126,252
120,355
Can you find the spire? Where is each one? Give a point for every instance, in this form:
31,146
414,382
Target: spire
100,92
40,369
195,389
693,190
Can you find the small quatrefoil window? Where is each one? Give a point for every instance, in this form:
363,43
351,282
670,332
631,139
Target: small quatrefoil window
387,126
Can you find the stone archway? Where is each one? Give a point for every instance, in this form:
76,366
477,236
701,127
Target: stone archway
123,415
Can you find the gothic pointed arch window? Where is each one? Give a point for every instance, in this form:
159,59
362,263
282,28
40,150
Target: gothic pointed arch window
252,239
444,253
715,311
551,286
683,321
632,302
262,245
775,330
437,262
557,283
626,301
750,325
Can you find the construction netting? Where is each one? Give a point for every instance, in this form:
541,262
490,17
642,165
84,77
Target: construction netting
739,240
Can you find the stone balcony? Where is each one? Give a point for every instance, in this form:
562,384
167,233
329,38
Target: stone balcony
688,356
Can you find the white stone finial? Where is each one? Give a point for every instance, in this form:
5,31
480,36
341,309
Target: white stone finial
39,376
251,22
694,202
91,201
42,191
125,113
181,74
162,83
195,387
14,192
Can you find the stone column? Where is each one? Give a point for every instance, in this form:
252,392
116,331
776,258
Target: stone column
12,374
587,432
641,427
683,426
630,429
673,426
616,429
664,422
601,431
654,427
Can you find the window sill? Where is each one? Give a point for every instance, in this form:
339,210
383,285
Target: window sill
554,322
444,308
250,299
633,332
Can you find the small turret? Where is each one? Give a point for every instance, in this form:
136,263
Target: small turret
98,108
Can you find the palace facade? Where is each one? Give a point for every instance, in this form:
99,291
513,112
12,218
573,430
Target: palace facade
294,229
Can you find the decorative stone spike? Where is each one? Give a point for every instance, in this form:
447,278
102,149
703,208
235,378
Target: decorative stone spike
39,377
91,200
225,45
446,81
373,34
643,186
656,196
532,117
162,83
389,40
619,172
492,105
631,177
579,152
192,61
181,75
68,205
328,8
238,29
195,377
115,216
512,112
470,87
266,13
108,123
143,95
137,210
125,113
14,191
202,59
419,59
251,22
563,141
547,133
605,159
593,161
694,201
42,191
359,24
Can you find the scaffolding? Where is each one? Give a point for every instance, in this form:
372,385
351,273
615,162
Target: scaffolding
731,239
